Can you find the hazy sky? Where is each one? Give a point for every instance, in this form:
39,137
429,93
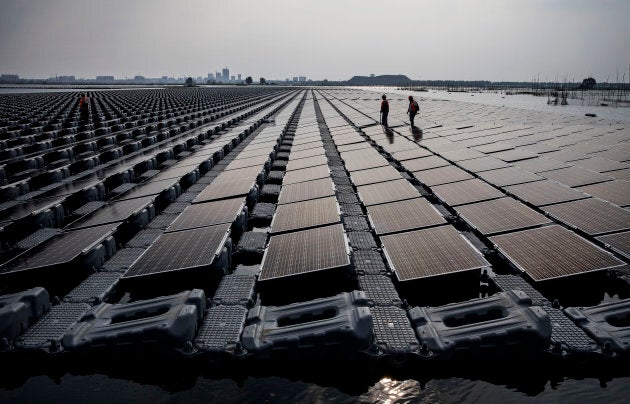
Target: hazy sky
335,39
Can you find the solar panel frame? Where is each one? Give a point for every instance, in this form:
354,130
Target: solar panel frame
511,156
421,254
306,174
114,212
618,242
441,175
592,216
500,216
403,215
425,163
509,176
314,250
180,251
374,175
224,189
411,154
575,176
552,252
482,164
59,250
358,162
302,191
467,191
617,192
315,151
305,214
384,192
208,214
541,193
298,164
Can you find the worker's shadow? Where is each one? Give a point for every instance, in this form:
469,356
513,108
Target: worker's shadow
416,132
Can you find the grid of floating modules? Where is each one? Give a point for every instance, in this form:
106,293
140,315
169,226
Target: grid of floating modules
265,221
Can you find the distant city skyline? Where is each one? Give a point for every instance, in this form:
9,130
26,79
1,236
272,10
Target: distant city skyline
495,40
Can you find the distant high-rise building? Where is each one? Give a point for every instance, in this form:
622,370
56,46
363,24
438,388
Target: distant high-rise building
210,76
372,75
295,78
302,78
239,77
218,76
9,78
105,79
226,74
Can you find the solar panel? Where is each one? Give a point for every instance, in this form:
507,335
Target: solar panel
500,215
592,216
509,176
441,175
482,164
461,154
114,212
354,146
494,147
566,155
540,164
60,250
315,151
514,155
261,151
425,163
300,140
306,146
150,187
430,252
545,192
403,215
306,174
306,162
239,174
305,251
208,214
300,215
619,242
468,191
552,252
222,190
575,176
414,153
257,161
374,175
363,159
617,192
386,192
306,190
181,250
